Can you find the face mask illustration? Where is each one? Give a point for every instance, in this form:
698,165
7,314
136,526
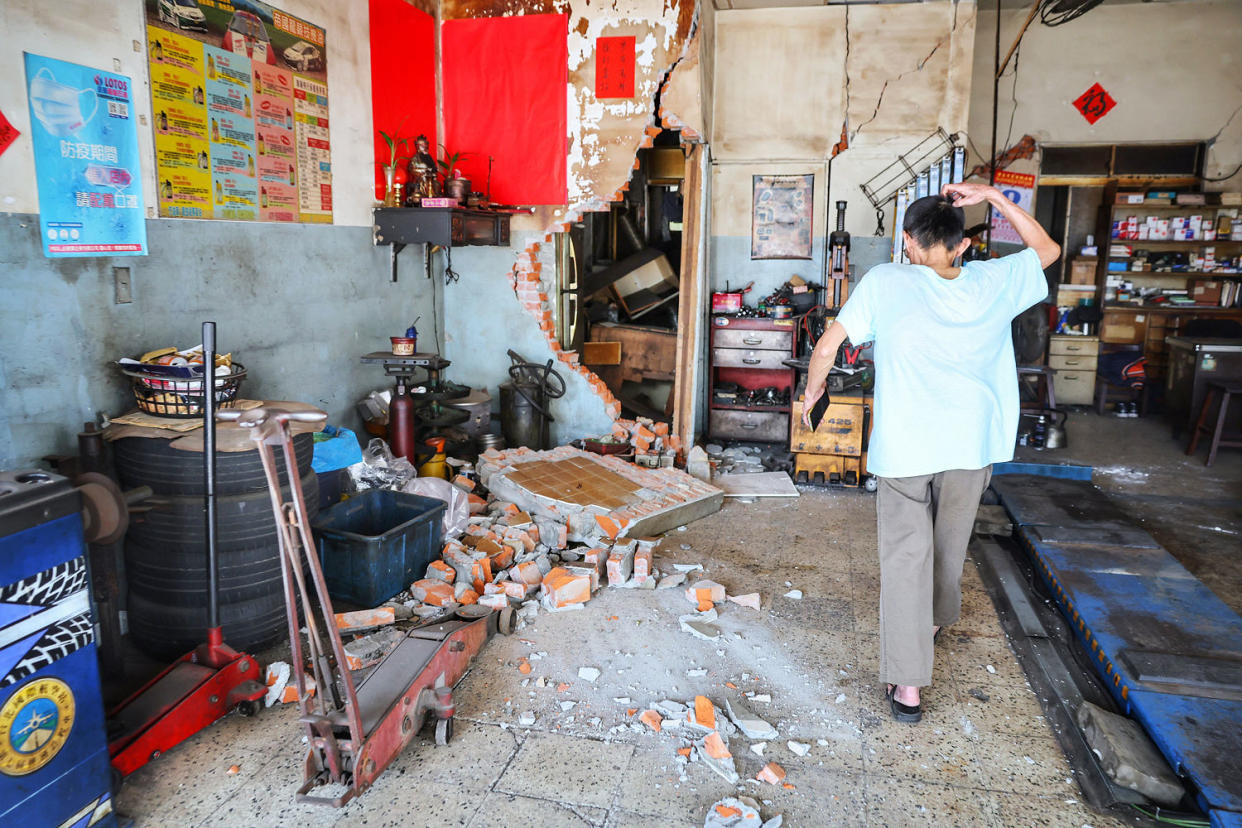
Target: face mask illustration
59,107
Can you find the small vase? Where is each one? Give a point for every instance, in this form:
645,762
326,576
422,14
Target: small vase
391,194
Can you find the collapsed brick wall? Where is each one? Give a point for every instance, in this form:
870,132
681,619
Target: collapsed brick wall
604,136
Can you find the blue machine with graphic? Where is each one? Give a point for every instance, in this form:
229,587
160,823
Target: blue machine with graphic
54,767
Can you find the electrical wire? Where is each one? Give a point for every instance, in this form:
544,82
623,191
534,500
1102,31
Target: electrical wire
1236,170
1060,12
1177,818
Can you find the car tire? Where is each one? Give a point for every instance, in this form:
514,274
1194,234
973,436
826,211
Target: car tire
165,630
154,462
179,576
244,520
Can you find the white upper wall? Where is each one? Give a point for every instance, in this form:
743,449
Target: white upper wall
112,36
1174,68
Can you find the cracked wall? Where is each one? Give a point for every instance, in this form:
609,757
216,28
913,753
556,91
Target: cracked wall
791,84
506,295
1176,76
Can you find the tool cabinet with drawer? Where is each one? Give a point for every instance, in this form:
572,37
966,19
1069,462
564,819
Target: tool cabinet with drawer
1073,360
748,355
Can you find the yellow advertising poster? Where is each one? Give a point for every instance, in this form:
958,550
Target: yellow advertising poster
239,95
179,115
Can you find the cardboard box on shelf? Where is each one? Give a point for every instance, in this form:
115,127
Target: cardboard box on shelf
1082,272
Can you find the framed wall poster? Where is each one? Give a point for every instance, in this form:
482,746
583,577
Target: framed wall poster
782,217
239,99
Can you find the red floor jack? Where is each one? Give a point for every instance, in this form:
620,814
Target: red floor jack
201,686
355,730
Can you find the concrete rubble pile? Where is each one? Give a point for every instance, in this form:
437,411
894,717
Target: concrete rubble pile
523,550
653,445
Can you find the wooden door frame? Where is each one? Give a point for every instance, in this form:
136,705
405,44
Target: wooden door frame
691,302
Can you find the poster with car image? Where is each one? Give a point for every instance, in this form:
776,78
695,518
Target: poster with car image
86,160
239,95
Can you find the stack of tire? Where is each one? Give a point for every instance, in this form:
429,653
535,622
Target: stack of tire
166,549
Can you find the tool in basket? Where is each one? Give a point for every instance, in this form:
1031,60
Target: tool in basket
354,730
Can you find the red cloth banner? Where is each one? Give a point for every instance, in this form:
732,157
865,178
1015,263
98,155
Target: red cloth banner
403,76
614,67
505,82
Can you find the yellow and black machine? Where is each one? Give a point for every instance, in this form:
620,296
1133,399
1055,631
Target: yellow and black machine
835,454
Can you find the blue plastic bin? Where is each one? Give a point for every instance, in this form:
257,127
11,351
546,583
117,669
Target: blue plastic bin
377,543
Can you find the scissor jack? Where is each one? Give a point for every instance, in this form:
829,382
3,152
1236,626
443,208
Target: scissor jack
354,731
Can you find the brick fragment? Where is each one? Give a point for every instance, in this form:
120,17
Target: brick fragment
651,719
526,572
704,712
620,567
435,593
715,746
562,588
496,600
365,619
772,773
441,571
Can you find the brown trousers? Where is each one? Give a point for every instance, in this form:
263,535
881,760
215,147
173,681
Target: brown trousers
924,525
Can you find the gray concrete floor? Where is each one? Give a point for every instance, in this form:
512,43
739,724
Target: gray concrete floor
970,762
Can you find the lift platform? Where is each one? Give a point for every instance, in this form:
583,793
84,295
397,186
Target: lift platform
1169,650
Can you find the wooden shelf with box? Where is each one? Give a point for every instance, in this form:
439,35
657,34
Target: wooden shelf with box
1148,325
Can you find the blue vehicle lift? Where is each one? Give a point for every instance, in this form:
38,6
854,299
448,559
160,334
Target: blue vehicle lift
1168,650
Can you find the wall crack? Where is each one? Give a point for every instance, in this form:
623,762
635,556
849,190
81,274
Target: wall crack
880,100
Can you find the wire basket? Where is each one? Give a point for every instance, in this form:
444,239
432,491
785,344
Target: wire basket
159,394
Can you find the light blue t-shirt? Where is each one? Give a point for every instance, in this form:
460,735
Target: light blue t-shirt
946,385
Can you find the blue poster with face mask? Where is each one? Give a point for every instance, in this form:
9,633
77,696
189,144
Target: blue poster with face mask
86,160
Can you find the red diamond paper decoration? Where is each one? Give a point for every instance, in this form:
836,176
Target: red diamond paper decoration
1095,103
8,133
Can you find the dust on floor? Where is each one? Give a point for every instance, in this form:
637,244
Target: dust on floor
983,754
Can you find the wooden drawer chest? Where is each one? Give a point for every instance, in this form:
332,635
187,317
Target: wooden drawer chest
749,354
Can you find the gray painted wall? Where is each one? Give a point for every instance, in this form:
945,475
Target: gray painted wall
483,320
732,265
297,304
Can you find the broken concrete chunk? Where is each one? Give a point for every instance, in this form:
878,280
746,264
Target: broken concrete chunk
526,719
1127,754
688,567
588,674
368,650
700,628
752,726
671,581
758,748
361,620
668,708
799,748
750,600
795,594
734,812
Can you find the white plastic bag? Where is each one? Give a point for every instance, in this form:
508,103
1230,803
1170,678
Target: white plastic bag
457,515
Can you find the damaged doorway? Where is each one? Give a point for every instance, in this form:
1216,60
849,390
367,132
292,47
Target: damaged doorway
622,281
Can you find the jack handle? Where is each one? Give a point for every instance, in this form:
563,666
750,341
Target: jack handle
268,423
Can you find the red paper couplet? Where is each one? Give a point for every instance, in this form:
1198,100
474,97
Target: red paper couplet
8,133
614,67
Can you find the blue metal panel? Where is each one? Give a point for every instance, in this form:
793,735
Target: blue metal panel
1124,602
1225,819
1061,470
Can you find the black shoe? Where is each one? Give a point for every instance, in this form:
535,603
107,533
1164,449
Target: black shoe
903,712
936,635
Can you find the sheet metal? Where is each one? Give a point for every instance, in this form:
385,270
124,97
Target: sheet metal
1126,603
